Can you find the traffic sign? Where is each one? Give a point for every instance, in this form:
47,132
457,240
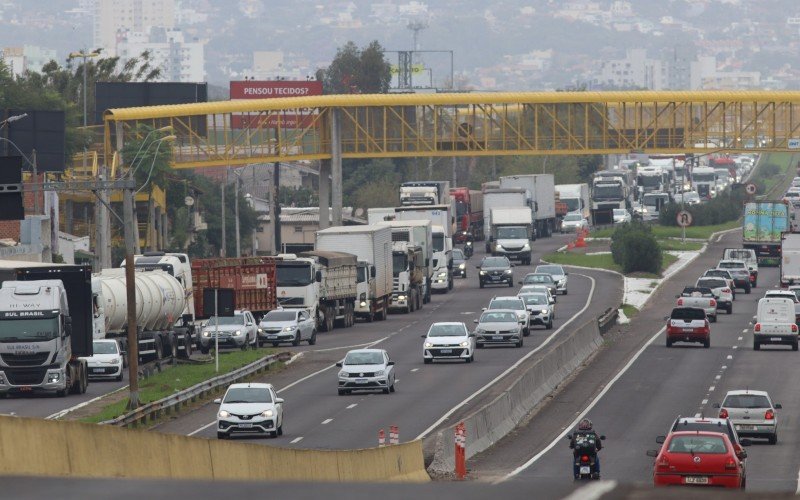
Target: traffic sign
684,218
750,188
794,144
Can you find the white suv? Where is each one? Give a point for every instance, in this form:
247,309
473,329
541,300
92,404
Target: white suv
516,304
448,341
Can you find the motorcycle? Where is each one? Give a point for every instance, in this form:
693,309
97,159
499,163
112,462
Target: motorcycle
468,250
584,453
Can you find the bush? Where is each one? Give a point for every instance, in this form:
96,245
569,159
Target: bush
725,207
634,248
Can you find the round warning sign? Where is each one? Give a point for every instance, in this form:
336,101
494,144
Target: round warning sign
750,188
684,218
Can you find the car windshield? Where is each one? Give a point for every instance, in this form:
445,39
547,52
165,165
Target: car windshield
537,278
719,273
361,274
438,242
507,304
697,444
534,299
573,217
739,254
237,319
495,262
104,347
248,395
363,358
746,401
399,261
458,254
557,270
447,331
796,292
280,316
498,317
512,233
689,313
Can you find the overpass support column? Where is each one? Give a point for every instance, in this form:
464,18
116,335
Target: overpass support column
324,193
336,167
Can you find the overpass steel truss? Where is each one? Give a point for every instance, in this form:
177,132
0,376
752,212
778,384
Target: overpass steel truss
466,124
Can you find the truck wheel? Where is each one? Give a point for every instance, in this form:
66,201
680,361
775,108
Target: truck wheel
173,340
747,289
370,317
794,346
159,349
481,284
187,350
330,318
204,350
756,346
450,283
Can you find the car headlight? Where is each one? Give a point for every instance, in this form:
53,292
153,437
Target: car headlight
442,275
498,247
237,333
343,374
464,344
428,345
363,304
260,330
223,414
115,361
462,266
206,334
483,273
544,311
526,246
379,373
289,328
267,413
508,271
401,297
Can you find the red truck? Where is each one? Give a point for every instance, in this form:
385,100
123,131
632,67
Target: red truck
469,213
251,278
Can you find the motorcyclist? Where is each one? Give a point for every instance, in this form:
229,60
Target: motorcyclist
468,245
585,430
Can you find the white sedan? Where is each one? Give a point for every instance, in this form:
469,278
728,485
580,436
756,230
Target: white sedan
366,369
448,341
250,408
621,216
107,360
573,223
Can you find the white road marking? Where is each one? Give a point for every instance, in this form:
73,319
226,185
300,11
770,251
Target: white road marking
350,407
740,338
201,429
592,491
396,380
59,414
704,402
736,347
327,421
698,415
414,369
711,389
718,377
560,438
743,331
467,313
515,365
724,367
296,440
730,356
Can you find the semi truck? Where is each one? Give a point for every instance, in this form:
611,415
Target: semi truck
425,193
442,220
325,283
378,215
704,181
414,233
541,198
408,275
510,233
502,198
45,328
576,196
763,226
372,245
650,179
469,214
608,194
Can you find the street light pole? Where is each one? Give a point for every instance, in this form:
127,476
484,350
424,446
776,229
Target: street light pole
238,174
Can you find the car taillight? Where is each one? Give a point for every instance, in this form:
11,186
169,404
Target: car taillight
726,290
794,328
663,462
752,277
723,413
584,458
713,303
757,328
769,415
680,302
730,464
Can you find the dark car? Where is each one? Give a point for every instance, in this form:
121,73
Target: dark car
459,263
496,271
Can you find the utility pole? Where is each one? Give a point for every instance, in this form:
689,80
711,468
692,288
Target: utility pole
455,176
132,328
276,186
224,241
236,213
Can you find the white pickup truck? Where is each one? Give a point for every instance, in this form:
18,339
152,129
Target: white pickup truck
701,298
775,323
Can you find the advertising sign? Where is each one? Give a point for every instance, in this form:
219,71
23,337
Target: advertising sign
765,222
253,89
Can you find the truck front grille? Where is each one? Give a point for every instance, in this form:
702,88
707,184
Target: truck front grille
35,359
26,376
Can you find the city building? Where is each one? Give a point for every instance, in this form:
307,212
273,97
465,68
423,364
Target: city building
179,60
112,17
26,58
635,71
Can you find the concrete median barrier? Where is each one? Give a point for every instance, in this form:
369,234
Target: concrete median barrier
499,417
33,447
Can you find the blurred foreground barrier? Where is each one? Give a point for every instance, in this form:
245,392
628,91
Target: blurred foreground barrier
36,447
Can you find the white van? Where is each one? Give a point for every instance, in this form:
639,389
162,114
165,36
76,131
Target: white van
775,323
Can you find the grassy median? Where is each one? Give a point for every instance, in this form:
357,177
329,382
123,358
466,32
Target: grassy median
600,261
177,378
692,232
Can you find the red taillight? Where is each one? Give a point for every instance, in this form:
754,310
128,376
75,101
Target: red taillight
794,328
584,458
757,328
723,413
752,277
769,415
663,462
713,303
730,464
680,302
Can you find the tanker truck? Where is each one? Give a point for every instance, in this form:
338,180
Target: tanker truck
163,327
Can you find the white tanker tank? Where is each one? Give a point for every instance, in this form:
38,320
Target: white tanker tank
160,300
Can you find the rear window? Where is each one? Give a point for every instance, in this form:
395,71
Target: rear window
748,401
689,313
697,444
712,283
695,291
507,304
732,265
704,427
739,254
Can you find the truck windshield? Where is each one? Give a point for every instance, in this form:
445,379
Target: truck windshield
361,274
649,180
704,177
36,330
398,263
512,233
573,204
607,191
438,242
293,275
461,209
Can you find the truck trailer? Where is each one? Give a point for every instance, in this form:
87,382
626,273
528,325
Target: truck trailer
510,233
541,198
406,234
469,214
764,224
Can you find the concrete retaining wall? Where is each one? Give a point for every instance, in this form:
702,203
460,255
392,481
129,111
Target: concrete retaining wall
54,448
499,417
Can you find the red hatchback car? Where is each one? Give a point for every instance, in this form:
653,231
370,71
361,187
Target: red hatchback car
697,459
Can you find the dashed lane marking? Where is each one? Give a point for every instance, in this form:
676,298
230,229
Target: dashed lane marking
711,389
350,407
327,421
296,440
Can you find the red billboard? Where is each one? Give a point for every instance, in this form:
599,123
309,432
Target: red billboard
252,89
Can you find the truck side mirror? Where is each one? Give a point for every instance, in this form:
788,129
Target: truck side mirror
491,239
67,326
372,272
318,276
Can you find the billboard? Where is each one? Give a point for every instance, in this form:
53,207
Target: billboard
262,89
40,130
110,95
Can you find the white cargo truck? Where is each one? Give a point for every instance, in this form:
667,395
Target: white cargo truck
510,233
416,193
576,196
378,215
372,245
413,233
541,198
790,259
442,228
502,198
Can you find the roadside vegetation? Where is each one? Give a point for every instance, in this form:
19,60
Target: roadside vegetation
176,379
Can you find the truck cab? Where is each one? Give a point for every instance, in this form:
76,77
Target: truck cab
407,277
35,340
704,181
442,262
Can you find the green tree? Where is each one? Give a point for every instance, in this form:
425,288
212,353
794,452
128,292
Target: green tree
357,71
588,165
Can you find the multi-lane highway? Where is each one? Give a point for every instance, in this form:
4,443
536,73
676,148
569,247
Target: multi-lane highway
659,384
316,417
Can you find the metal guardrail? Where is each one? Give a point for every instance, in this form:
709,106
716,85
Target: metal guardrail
606,320
167,405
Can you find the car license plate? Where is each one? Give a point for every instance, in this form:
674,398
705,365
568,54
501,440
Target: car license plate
585,469
361,381
776,339
745,427
26,388
445,351
688,330
696,480
272,336
497,337
495,278
245,426
97,370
